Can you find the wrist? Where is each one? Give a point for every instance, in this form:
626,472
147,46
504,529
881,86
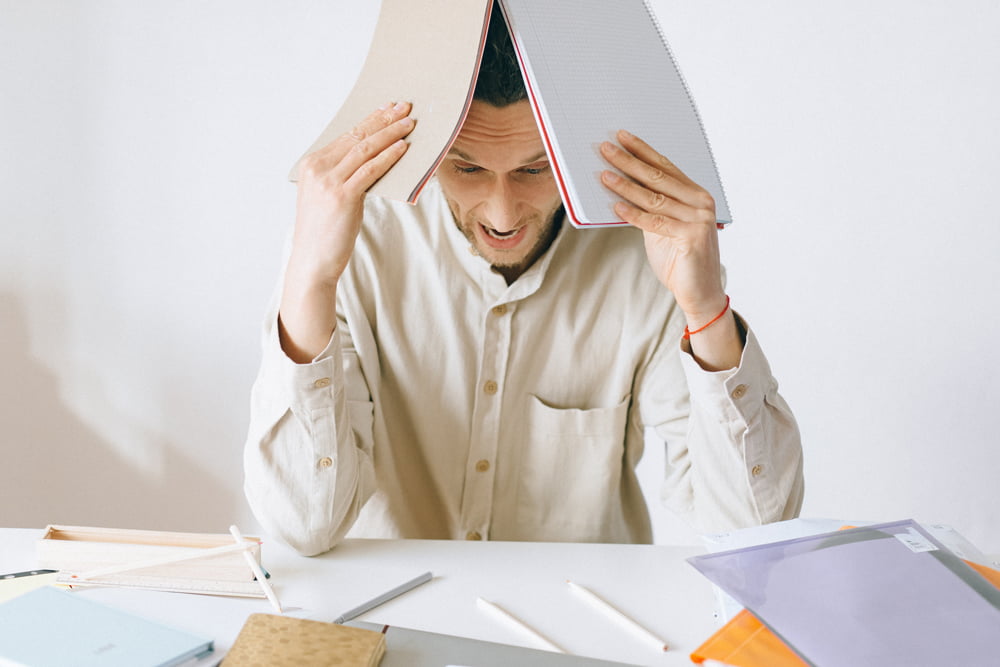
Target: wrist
306,319
718,344
698,322
309,273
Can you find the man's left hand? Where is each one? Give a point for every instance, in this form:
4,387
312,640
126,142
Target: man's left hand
677,217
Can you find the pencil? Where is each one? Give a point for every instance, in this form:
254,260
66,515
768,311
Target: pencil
384,597
257,572
164,560
512,621
618,616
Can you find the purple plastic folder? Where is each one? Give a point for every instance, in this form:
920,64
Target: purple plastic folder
887,594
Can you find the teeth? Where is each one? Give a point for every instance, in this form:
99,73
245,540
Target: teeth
499,235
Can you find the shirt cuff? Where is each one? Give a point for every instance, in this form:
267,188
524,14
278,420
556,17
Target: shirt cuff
737,392
301,384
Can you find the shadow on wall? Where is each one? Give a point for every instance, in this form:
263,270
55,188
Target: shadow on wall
54,469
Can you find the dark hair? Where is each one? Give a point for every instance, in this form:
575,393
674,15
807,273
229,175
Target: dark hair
499,82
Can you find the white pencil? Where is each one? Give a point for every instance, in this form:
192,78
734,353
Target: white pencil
257,572
164,560
616,615
512,621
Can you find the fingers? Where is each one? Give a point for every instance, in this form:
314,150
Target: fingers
648,155
371,158
360,157
655,190
375,145
648,209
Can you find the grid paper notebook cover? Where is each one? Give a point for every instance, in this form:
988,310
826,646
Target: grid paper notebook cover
593,67
285,641
887,594
52,628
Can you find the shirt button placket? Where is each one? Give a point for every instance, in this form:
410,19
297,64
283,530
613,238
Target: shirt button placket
477,501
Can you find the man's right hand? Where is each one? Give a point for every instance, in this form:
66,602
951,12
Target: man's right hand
331,191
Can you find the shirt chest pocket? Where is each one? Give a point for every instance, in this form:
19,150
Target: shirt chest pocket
570,473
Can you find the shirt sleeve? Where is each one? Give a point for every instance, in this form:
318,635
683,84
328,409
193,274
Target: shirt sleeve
739,463
308,455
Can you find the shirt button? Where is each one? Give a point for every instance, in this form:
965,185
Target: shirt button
482,465
491,387
322,382
473,535
740,391
325,462
500,310
757,470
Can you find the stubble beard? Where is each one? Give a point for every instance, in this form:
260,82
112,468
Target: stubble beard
520,264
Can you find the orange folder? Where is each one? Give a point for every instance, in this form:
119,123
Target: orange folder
746,642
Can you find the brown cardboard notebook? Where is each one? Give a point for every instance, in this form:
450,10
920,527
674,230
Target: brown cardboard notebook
268,640
427,53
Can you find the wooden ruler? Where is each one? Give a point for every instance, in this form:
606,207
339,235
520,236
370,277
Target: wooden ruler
247,589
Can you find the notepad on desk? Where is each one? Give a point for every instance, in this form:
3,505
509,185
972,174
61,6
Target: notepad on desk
48,627
591,67
285,641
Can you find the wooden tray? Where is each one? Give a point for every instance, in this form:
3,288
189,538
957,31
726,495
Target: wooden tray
77,549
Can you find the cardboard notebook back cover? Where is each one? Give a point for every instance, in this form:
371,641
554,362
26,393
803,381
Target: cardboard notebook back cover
427,53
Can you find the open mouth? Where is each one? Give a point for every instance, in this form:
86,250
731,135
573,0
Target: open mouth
502,240
499,235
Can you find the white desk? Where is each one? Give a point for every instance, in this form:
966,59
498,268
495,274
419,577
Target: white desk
653,584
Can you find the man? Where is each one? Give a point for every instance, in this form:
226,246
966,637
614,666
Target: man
471,367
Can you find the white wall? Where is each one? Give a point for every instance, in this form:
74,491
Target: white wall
143,202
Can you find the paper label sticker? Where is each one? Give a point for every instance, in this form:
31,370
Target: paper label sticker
915,542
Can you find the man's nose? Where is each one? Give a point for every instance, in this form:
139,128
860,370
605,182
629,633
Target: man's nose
502,207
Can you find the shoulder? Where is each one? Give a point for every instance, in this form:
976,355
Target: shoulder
386,216
397,237
607,258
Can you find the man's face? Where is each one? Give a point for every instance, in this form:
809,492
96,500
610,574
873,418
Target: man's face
500,188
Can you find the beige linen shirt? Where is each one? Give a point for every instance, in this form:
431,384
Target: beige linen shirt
451,405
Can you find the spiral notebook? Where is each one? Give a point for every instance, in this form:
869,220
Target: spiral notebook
591,67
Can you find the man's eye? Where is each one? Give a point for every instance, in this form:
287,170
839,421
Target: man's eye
466,168
534,171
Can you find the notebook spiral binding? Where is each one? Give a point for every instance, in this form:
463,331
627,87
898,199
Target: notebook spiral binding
687,91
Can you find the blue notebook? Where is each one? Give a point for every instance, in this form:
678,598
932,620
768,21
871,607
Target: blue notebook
51,627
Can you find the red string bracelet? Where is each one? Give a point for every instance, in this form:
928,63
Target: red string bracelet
688,334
